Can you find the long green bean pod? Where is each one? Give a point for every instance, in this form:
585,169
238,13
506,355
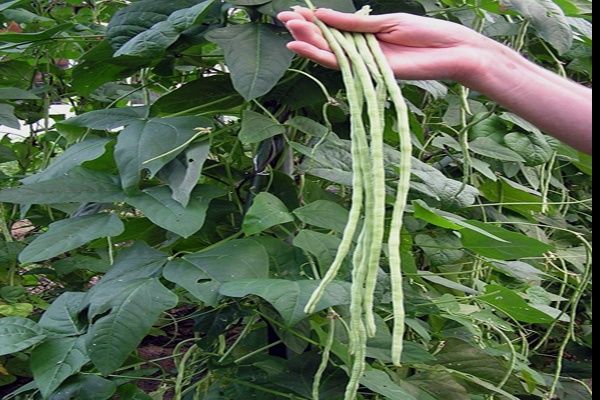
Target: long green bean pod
370,83
394,239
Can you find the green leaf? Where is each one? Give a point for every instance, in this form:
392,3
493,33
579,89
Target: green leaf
8,3
152,42
7,116
324,214
380,382
489,148
322,246
289,297
110,118
285,260
440,280
18,333
298,375
514,245
256,55
85,386
521,270
68,234
332,160
11,93
436,385
130,21
16,73
513,305
204,272
133,306
79,185
307,126
80,152
48,34
158,205
445,219
477,366
512,196
55,360
135,262
182,173
62,316
152,144
98,66
492,127
16,309
210,93
156,40
266,211
276,6
442,248
548,19
533,147
258,127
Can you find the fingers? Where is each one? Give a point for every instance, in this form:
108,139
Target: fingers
308,32
324,57
354,22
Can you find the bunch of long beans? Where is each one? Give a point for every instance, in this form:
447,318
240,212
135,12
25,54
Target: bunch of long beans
370,84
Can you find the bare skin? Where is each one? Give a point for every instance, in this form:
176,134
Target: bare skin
421,48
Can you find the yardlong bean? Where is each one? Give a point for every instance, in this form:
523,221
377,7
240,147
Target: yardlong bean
369,82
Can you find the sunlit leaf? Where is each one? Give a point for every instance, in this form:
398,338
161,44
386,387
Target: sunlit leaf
513,305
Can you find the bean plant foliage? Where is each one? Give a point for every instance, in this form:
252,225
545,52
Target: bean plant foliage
198,188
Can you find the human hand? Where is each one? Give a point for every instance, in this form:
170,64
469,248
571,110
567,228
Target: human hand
416,47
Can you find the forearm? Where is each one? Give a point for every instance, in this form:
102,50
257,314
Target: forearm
557,106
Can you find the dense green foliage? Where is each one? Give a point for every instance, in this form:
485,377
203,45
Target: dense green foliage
203,181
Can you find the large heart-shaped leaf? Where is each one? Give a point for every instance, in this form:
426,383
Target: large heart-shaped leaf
256,56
